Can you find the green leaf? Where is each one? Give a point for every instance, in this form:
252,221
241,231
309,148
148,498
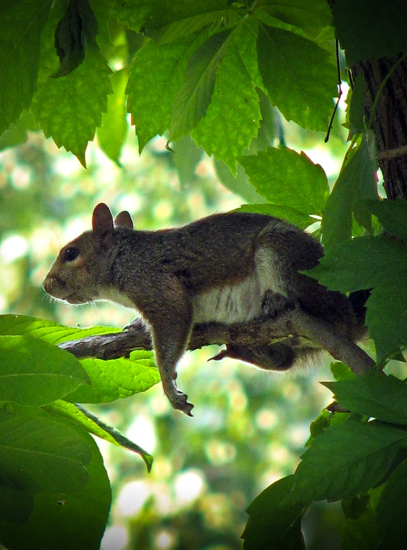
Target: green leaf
301,13
70,108
116,378
232,118
21,24
347,459
370,29
275,519
75,32
391,521
48,331
355,185
194,97
392,215
85,419
151,92
380,397
298,75
288,179
112,133
189,25
66,521
40,456
239,184
342,372
35,373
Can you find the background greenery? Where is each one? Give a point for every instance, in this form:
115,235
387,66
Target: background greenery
241,81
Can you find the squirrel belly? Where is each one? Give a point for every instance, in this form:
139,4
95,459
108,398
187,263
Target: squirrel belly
241,301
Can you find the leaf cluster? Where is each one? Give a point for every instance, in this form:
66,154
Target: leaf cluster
359,458
48,458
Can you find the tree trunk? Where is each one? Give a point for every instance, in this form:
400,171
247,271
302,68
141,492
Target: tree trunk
390,119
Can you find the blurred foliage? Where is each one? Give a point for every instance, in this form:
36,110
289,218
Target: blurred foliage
249,426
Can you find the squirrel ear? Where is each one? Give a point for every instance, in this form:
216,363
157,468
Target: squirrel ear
123,219
102,219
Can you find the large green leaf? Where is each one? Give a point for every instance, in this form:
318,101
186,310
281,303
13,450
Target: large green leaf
152,92
195,94
347,459
392,215
274,519
288,179
381,397
370,29
41,456
35,373
21,24
66,521
391,508
233,117
69,108
298,75
116,378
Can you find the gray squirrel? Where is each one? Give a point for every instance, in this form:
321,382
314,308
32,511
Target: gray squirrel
226,268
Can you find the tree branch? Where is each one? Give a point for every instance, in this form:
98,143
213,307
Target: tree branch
258,332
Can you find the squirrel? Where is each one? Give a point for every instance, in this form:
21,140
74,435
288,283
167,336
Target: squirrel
225,268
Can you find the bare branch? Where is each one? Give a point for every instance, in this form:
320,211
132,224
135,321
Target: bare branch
258,332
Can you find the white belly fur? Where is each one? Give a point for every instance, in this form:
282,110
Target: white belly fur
242,301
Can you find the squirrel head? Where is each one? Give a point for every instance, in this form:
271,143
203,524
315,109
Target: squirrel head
80,271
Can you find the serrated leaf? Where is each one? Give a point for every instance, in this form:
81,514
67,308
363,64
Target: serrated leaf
116,378
151,92
288,179
21,24
39,456
274,520
390,511
347,459
34,373
85,419
370,29
66,521
194,97
380,397
113,131
357,106
233,117
48,331
70,108
355,185
298,75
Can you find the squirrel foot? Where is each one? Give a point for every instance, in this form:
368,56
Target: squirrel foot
178,400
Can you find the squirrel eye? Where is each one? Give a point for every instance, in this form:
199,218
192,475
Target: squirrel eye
71,254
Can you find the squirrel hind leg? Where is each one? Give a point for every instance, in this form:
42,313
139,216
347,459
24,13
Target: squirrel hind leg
277,356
